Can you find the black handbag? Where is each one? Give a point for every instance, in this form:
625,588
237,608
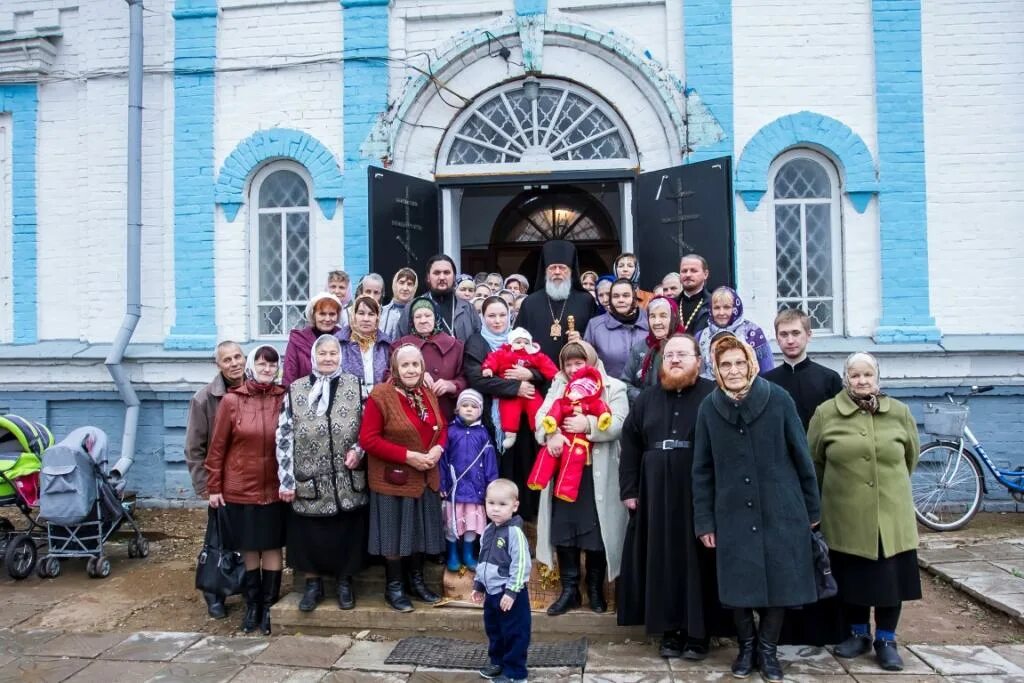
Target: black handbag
825,582
219,570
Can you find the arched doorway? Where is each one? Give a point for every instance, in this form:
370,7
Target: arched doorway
535,216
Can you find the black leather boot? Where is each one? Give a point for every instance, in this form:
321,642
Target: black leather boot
215,605
768,643
252,588
569,574
312,595
394,591
417,586
346,596
746,637
888,655
271,592
597,570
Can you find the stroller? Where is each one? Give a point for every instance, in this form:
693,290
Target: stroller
22,443
82,505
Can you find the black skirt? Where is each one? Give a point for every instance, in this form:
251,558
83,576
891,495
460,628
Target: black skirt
401,526
254,527
885,582
576,525
332,546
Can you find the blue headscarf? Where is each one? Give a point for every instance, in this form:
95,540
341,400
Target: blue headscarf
494,341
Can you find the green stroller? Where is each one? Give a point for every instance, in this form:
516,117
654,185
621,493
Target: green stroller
22,443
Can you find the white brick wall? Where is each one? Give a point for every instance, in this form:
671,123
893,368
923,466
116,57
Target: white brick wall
306,98
974,135
790,56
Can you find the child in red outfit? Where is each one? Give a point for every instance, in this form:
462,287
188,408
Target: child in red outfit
519,352
582,397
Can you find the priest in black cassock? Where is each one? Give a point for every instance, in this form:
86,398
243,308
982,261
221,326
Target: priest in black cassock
546,312
667,582
695,299
809,383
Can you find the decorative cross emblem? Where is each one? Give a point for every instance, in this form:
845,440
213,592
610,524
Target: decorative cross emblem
407,225
679,218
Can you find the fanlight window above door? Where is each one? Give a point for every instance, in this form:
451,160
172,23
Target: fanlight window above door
540,125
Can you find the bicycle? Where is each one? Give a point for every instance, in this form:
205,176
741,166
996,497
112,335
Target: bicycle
948,483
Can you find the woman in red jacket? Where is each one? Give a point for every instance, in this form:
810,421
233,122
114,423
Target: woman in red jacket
404,435
242,467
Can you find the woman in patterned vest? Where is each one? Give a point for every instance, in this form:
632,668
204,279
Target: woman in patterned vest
319,467
404,434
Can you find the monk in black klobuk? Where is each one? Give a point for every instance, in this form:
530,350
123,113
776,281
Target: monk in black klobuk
545,312
668,578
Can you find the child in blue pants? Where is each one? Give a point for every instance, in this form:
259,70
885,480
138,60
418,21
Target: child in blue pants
502,571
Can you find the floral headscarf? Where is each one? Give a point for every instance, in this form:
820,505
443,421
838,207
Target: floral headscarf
320,394
870,402
727,344
675,326
738,325
413,394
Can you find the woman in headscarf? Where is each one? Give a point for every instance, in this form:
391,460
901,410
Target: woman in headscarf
404,435
242,469
319,471
727,316
465,287
595,523
322,312
517,283
364,349
602,291
588,279
615,333
442,354
865,447
403,289
515,463
644,360
627,267
755,500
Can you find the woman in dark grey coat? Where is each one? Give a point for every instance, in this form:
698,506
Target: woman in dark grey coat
755,499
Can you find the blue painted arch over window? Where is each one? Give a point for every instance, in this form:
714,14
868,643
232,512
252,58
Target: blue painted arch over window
279,143
807,129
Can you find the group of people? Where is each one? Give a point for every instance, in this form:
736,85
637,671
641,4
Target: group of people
648,436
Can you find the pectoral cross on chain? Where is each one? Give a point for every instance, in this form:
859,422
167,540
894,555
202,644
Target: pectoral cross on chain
680,218
407,225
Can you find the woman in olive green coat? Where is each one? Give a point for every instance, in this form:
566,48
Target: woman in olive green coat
865,446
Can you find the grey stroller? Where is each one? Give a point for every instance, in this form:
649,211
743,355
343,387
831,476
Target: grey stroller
82,505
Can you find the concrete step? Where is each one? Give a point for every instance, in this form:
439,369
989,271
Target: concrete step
371,613
372,580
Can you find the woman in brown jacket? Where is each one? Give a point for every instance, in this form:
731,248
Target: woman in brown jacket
404,435
442,354
242,468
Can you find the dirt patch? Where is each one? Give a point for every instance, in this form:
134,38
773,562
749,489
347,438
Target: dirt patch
157,593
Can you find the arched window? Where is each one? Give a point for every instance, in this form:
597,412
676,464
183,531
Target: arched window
537,125
281,235
808,237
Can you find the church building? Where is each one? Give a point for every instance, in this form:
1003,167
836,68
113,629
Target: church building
859,159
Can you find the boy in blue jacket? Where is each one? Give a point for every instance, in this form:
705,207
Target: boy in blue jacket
502,571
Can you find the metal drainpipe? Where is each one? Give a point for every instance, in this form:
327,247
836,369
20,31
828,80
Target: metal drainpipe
133,276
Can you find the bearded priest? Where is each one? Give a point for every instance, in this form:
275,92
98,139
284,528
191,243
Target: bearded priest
546,312
667,582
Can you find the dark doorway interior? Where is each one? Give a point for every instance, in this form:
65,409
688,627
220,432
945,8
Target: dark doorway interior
503,228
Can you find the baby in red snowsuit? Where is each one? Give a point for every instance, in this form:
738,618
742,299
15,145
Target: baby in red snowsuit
519,352
582,397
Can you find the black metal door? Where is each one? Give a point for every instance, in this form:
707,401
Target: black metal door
685,210
405,222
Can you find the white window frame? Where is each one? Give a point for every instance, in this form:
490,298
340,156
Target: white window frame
254,226
444,169
836,221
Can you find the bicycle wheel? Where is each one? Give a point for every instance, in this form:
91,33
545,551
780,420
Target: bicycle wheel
946,486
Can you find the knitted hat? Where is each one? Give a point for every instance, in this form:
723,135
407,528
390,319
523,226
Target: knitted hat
520,333
473,396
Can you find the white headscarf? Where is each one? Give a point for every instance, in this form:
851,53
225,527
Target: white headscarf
250,365
320,394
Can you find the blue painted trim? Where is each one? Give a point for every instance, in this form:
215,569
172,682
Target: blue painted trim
365,78
530,8
801,130
21,101
278,143
707,45
195,57
902,200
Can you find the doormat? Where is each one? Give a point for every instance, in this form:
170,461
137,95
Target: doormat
448,653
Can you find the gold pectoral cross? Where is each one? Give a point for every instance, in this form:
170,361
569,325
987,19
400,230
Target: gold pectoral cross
556,329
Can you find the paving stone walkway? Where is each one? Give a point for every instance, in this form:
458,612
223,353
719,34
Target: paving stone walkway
990,572
54,657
